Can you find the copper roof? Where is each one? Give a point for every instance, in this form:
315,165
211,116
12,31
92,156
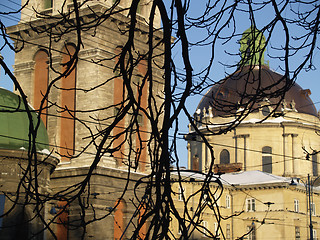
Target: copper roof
252,85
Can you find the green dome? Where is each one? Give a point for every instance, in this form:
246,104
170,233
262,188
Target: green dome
14,125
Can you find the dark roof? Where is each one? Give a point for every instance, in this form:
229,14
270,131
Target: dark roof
254,85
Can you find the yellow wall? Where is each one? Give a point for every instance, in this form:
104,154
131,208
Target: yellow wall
276,221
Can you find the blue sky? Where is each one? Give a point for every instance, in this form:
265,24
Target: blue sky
200,56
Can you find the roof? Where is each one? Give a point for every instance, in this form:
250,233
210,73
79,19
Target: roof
252,178
14,124
252,84
243,178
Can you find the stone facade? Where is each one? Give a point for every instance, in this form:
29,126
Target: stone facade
23,221
110,185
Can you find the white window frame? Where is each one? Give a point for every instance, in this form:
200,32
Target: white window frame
297,233
250,205
314,231
205,227
296,205
228,231
228,200
252,234
205,198
216,230
180,193
179,231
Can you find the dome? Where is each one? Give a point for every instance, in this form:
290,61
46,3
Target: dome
14,127
255,85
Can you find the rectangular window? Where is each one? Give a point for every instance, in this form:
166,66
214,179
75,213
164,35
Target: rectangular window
267,164
205,198
314,164
252,232
140,119
313,209
251,205
216,230
180,194
314,234
179,232
205,228
228,201
217,198
116,111
228,232
47,4
296,205
297,233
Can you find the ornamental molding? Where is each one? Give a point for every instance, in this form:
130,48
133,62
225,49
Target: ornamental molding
26,66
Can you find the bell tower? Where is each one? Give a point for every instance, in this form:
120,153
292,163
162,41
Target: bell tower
78,102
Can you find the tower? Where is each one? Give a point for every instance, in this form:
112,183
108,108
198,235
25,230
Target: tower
93,84
87,111
274,135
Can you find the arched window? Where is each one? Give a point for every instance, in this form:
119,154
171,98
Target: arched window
314,164
143,229
68,102
267,159
41,77
62,221
224,157
142,96
119,219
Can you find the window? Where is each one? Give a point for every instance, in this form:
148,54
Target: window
195,163
217,198
314,234
228,201
314,164
265,110
140,119
62,221
143,230
252,232
208,157
180,231
205,228
119,217
41,78
47,4
205,198
228,232
216,230
297,233
224,157
68,101
267,159
296,205
196,155
180,194
251,205
313,209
